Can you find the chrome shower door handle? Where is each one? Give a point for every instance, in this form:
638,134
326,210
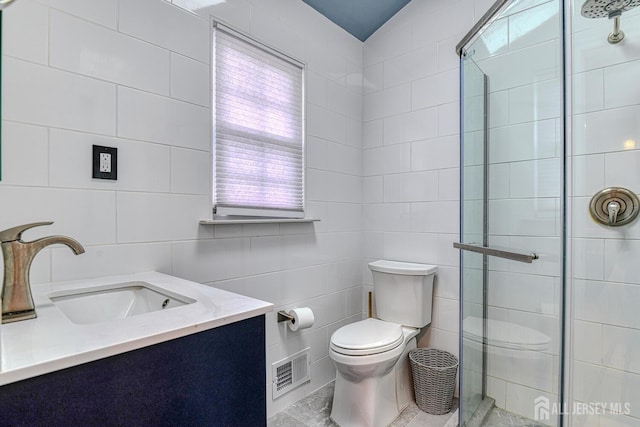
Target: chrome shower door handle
497,252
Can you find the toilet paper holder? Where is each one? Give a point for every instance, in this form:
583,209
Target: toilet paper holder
283,316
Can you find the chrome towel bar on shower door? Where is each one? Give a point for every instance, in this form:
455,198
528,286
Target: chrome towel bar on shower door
500,253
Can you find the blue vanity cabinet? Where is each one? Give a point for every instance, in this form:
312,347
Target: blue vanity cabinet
211,378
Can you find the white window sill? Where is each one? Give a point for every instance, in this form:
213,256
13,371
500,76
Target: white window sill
257,221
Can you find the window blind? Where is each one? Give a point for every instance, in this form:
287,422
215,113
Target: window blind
259,129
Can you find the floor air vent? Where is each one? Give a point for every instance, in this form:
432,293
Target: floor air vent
290,372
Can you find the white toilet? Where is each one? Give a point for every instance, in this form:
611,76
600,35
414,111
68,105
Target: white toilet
373,379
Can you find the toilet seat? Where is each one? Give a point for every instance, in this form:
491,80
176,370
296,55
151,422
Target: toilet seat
366,337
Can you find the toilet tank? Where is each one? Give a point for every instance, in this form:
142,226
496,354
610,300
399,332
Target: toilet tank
403,292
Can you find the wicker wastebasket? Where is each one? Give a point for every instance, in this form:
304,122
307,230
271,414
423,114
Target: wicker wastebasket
434,379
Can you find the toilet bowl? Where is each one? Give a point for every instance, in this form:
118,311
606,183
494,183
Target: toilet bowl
373,379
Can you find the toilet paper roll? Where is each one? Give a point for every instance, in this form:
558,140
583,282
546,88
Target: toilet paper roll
302,318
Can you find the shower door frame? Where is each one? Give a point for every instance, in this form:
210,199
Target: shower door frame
564,389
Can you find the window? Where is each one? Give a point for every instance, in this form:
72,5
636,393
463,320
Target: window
259,129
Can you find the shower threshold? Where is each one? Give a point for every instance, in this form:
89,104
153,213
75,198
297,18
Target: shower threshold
489,415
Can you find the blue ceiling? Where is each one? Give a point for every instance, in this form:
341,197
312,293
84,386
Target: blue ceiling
361,18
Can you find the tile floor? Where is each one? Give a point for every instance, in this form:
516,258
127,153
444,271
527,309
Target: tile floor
501,418
314,411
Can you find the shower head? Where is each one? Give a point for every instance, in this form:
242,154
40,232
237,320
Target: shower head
5,3
611,9
607,8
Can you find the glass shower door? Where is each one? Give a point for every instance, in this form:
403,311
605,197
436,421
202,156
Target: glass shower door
512,229
474,132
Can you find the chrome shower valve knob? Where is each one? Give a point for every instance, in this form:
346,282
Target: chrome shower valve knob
614,206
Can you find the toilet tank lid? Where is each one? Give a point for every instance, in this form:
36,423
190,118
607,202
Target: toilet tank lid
406,268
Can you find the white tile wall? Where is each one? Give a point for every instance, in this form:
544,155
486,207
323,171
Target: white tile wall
134,74
85,48
411,149
382,160
604,259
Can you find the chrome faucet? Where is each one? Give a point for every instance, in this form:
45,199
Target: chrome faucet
17,301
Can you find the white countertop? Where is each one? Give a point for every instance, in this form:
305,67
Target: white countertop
52,342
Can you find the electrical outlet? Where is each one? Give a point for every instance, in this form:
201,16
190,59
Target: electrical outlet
105,162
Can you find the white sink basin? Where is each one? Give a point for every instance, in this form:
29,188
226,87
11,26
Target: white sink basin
115,301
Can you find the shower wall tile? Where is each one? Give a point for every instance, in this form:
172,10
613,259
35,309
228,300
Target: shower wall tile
387,160
540,100
175,122
372,134
387,102
344,159
524,217
535,25
497,389
593,132
435,217
387,217
435,153
605,302
548,249
46,96
188,79
100,12
620,88
29,163
525,292
621,168
588,91
537,63
597,384
535,140
449,119
411,247
590,171
190,171
414,126
520,400
592,51
449,19
74,212
588,258
495,41
373,189
411,66
434,90
171,28
326,124
498,108
373,78
411,187
589,341
76,45
621,348
620,256
499,180
445,283
107,260
449,184
447,57
537,178
27,35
